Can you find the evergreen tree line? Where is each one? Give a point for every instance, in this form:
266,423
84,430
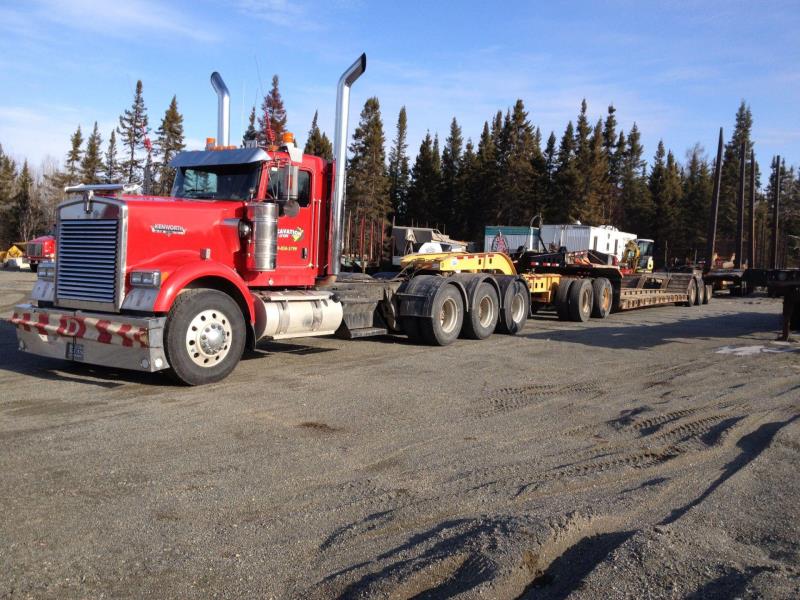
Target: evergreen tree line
595,174
28,200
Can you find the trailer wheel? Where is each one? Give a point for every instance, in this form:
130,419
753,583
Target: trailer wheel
447,317
691,294
516,306
699,292
603,297
581,299
709,293
562,298
204,336
480,322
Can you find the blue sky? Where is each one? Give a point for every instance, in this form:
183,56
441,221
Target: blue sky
679,69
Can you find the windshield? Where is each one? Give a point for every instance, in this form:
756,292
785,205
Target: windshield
646,247
217,182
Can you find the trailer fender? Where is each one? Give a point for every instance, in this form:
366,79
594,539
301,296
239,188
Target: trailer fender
205,273
417,295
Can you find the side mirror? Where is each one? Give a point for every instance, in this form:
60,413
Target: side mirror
289,186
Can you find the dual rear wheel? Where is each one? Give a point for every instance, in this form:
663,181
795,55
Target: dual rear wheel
489,311
579,299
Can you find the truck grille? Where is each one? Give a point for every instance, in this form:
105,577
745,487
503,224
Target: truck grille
87,260
34,250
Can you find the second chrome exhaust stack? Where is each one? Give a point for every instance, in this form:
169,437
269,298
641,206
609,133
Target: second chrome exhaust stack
223,109
336,225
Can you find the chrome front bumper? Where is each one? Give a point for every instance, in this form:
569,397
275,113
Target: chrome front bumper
93,338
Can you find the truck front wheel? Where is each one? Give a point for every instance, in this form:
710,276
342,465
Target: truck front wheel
204,336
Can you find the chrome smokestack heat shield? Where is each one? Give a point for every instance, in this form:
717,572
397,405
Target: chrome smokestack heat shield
340,157
223,109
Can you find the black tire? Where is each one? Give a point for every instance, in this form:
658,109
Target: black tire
692,294
411,329
603,298
581,300
34,267
198,319
447,317
535,306
699,292
709,293
480,321
562,298
516,306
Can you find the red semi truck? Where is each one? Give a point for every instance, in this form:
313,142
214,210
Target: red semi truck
39,250
247,247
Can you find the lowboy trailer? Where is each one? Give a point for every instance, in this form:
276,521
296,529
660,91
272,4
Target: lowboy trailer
573,285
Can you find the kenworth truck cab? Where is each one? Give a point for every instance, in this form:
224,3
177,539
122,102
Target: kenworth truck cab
247,247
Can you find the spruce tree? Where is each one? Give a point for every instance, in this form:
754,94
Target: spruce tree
594,180
487,181
665,189
635,200
318,143
111,172
73,162
26,213
424,189
272,106
8,178
467,210
566,181
133,130
169,142
250,133
519,201
92,162
696,203
367,181
729,188
399,173
550,157
451,161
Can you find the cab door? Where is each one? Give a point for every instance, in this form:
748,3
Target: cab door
296,248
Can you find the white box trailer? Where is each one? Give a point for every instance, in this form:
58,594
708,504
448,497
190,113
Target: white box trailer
576,237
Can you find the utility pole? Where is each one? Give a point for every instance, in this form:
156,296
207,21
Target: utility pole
711,238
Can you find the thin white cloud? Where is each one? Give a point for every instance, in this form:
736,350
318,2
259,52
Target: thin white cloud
293,16
128,19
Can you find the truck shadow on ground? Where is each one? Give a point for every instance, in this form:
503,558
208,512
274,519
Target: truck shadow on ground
642,336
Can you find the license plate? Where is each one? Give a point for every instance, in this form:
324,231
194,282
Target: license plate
74,351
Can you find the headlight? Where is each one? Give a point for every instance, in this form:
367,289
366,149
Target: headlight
47,271
146,278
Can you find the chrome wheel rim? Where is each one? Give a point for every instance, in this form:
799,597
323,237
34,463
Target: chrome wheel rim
208,338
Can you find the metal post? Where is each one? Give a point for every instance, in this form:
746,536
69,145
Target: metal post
751,259
711,238
740,207
775,212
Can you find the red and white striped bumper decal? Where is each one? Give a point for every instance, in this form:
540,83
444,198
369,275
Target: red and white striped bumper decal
87,328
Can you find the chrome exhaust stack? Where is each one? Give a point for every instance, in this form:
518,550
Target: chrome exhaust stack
223,109
336,225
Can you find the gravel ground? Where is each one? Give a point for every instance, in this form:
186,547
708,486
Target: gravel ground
652,454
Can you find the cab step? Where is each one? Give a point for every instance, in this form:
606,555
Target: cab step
362,332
